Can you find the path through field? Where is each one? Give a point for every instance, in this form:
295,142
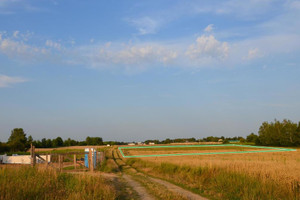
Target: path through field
133,185
142,192
158,188
175,188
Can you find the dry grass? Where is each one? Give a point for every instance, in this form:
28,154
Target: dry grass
25,182
281,167
272,175
158,190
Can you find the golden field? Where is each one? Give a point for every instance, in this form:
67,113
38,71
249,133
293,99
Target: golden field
269,175
283,167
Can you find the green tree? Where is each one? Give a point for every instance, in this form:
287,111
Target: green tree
297,135
3,147
58,142
17,140
94,141
44,143
285,133
48,143
251,138
70,142
29,140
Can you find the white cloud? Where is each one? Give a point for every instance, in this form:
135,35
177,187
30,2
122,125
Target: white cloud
53,44
208,47
253,53
123,55
7,81
145,25
209,28
148,53
14,48
204,51
15,34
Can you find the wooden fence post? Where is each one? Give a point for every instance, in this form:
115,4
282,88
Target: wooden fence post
91,163
46,160
60,161
74,161
32,153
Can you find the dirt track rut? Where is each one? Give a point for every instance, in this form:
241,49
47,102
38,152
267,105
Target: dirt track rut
141,190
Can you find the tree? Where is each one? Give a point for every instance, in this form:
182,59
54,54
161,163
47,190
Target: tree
94,141
58,142
29,140
3,147
17,140
297,135
48,143
44,143
70,142
251,138
285,133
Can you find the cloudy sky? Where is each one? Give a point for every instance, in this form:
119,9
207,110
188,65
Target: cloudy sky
136,70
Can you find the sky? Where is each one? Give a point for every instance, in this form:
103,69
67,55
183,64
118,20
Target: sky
137,70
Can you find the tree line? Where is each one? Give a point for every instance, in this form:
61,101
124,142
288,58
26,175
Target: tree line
285,133
18,141
205,139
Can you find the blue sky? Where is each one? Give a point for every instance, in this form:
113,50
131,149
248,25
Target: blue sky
137,70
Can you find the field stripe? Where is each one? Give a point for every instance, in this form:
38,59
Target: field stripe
273,149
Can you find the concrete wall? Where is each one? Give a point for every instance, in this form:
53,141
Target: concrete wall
20,159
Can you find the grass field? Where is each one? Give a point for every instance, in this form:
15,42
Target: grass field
247,176
272,175
25,182
177,150
156,151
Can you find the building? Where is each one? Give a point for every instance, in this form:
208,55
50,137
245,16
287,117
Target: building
20,159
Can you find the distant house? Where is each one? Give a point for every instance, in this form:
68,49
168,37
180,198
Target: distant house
131,144
220,140
151,143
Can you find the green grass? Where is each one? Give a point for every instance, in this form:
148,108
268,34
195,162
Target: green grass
172,149
60,151
32,183
19,153
180,150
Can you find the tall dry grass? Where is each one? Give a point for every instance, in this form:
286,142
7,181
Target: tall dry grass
25,182
235,176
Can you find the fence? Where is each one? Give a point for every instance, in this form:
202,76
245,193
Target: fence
90,159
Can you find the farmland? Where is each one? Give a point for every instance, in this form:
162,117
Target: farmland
272,175
252,175
192,150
